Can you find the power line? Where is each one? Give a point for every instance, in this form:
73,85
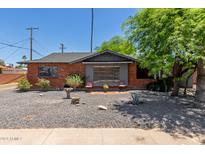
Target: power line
14,52
18,47
39,44
13,43
38,53
14,46
11,54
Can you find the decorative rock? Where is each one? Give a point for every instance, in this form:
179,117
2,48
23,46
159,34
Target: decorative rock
68,90
177,122
101,107
40,94
75,100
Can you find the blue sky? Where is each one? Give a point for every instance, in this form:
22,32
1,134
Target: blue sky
69,26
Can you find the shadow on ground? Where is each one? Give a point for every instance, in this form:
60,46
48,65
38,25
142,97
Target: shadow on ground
171,114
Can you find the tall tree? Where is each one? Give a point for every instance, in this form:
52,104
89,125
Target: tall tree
2,62
167,40
197,44
118,44
200,91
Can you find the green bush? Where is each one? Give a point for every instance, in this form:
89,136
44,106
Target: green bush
74,80
24,85
43,84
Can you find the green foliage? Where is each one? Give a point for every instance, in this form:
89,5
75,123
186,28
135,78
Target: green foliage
24,85
164,36
74,80
2,62
20,66
118,44
43,84
24,57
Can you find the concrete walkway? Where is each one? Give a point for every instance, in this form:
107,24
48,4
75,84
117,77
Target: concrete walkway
8,86
91,136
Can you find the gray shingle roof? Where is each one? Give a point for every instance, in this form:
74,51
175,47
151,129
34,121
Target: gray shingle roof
72,57
60,58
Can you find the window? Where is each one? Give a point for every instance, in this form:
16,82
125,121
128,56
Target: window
48,71
143,73
106,73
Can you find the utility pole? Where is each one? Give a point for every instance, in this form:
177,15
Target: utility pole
91,38
31,40
62,47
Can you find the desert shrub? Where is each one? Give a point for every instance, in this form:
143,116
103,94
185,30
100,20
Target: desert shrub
43,84
24,85
74,80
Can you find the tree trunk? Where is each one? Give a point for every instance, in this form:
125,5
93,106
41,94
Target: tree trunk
186,85
175,91
187,80
177,70
165,85
200,84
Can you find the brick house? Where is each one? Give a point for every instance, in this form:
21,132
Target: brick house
105,67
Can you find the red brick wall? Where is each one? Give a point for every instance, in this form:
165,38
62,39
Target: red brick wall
133,82
63,70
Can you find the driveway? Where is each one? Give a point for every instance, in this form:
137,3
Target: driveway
51,110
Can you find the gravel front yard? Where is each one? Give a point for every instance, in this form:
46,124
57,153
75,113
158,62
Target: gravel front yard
52,110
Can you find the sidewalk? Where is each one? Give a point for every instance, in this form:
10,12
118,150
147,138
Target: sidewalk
90,136
8,86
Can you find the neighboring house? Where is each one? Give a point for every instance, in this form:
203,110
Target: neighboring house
107,67
12,70
9,74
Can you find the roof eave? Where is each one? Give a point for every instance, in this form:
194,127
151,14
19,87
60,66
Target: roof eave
123,62
36,62
99,53
83,58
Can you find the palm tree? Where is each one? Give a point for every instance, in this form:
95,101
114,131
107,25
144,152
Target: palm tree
200,84
24,58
